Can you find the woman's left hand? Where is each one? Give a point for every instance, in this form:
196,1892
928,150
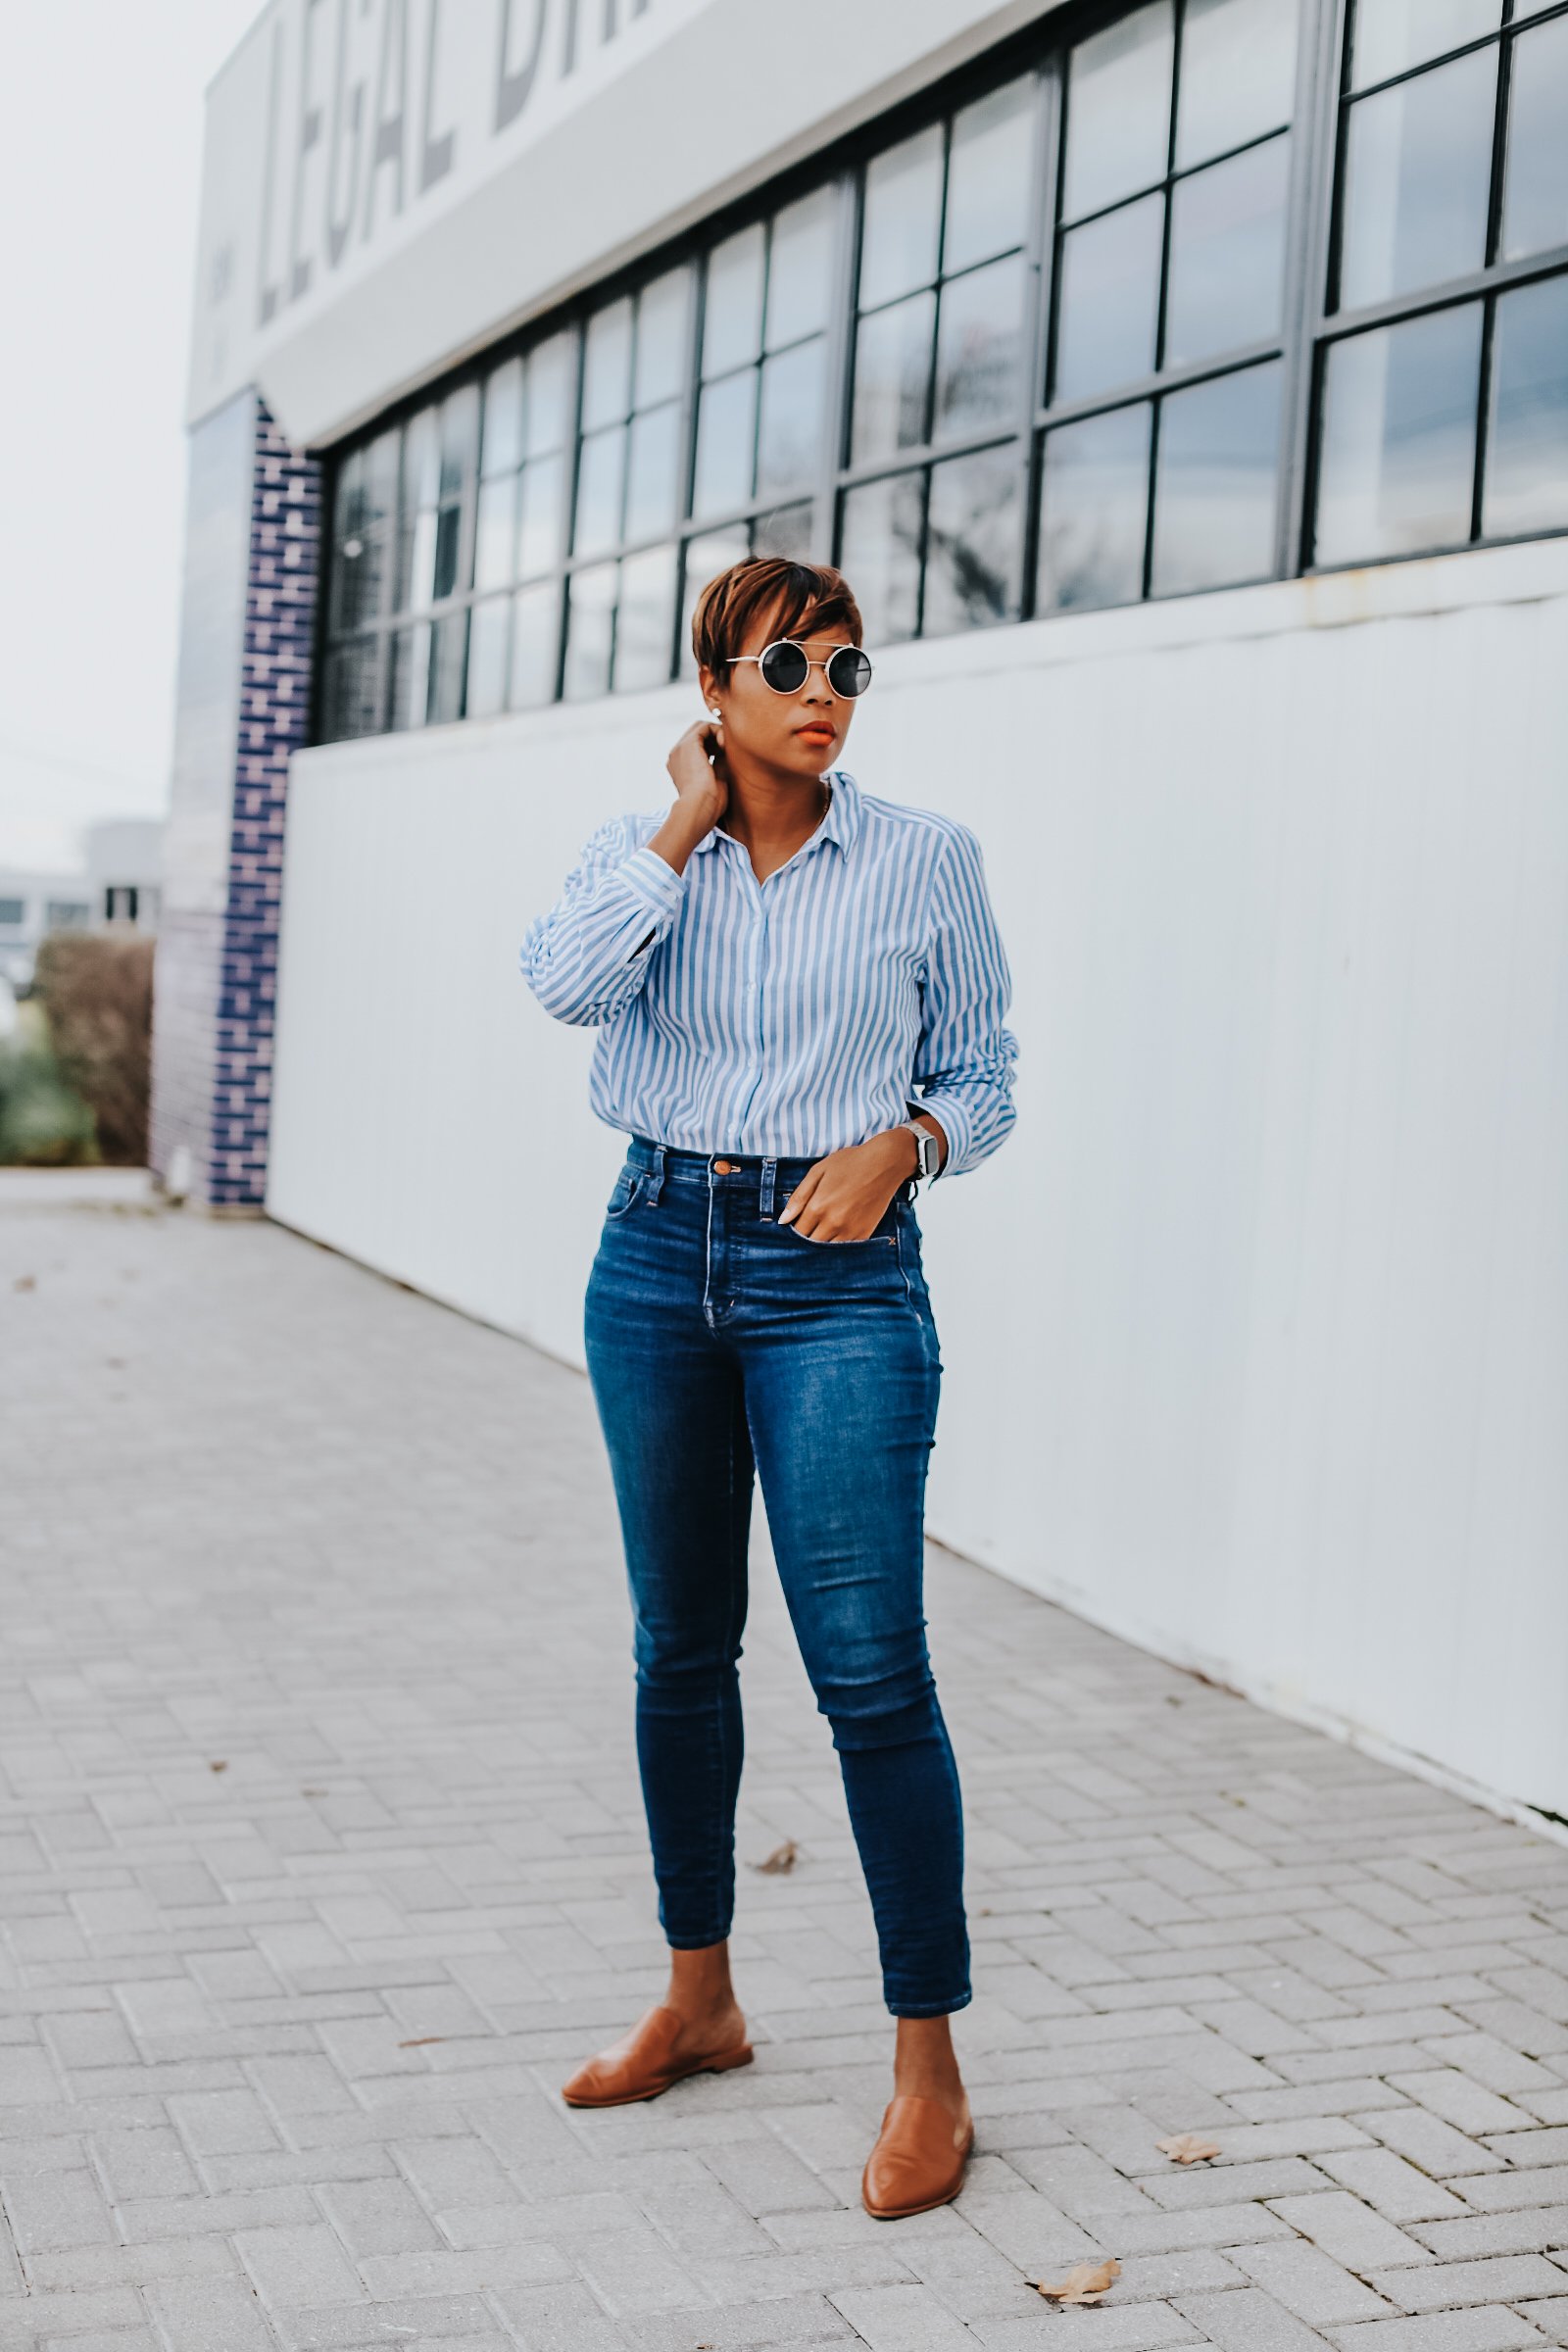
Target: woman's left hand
843,1198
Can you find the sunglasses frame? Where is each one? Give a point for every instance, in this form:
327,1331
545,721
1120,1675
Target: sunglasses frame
826,667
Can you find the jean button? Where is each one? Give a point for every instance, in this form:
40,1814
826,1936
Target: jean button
723,1167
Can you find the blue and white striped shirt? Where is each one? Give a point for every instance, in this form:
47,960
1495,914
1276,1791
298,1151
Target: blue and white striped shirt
791,1016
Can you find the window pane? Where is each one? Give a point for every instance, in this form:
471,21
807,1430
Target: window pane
551,369
1215,482
990,171
980,347
448,652
1418,169
535,646
496,539
1526,446
971,542
1238,75
799,270
661,319
348,497
1534,205
421,460
607,364
732,318
416,570
903,218
489,629
460,439
410,675
1227,254
381,478
590,630
706,559
789,442
542,539
891,377
502,419
785,531
1392,34
350,692
880,556
358,564
646,618
1109,300
653,471
726,424
598,483
1398,435
1093,511
1118,109
445,571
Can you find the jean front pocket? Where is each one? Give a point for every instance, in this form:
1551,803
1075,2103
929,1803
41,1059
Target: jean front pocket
885,1237
629,1192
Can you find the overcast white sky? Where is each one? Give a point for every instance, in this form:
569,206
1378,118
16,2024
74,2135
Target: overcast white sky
100,152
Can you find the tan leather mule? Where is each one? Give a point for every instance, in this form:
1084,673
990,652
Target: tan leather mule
918,2159
642,2064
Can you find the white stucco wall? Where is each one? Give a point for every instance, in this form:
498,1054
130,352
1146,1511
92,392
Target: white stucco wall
1257,1330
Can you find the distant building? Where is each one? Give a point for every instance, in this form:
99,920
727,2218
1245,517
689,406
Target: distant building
117,886
125,872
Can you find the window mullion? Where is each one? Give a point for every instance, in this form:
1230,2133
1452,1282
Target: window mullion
847,324
1308,230
1040,254
571,470
832,449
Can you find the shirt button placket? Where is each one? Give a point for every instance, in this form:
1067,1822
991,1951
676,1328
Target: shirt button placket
754,996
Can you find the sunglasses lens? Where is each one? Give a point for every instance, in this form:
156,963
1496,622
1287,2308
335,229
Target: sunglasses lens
849,672
785,667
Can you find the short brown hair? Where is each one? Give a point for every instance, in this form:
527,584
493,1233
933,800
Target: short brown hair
802,592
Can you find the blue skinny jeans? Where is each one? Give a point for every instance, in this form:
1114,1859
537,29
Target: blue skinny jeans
720,1346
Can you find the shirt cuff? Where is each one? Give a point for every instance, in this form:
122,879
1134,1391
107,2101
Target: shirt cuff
956,1125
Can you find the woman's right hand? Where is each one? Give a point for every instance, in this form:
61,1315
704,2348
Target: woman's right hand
702,785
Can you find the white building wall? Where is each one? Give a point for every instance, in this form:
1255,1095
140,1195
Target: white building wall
1257,1330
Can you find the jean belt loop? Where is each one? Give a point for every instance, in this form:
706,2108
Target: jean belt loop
656,1182
765,1203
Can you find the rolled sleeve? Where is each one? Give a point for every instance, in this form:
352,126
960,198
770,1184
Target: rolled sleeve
966,1056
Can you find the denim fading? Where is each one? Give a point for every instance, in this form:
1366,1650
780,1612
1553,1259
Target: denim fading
723,1346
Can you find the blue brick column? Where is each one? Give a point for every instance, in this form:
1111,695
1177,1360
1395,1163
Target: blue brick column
244,706
274,715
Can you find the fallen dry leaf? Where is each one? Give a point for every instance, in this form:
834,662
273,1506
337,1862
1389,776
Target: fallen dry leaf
421,2042
1188,2148
220,1767
1085,2283
781,1858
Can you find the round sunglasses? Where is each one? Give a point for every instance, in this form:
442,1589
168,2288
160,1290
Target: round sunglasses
785,667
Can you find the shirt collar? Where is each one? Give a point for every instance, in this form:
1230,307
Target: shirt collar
840,823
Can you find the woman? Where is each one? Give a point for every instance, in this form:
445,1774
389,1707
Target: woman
773,965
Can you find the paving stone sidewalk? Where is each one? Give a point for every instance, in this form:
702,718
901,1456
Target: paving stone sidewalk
324,1861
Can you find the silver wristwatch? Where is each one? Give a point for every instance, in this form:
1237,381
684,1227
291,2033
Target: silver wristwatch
930,1149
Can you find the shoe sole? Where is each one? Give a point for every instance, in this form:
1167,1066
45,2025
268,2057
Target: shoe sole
635,2098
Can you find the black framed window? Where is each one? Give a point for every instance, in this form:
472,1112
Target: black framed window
944,303
1159,460
1442,396
1162,298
